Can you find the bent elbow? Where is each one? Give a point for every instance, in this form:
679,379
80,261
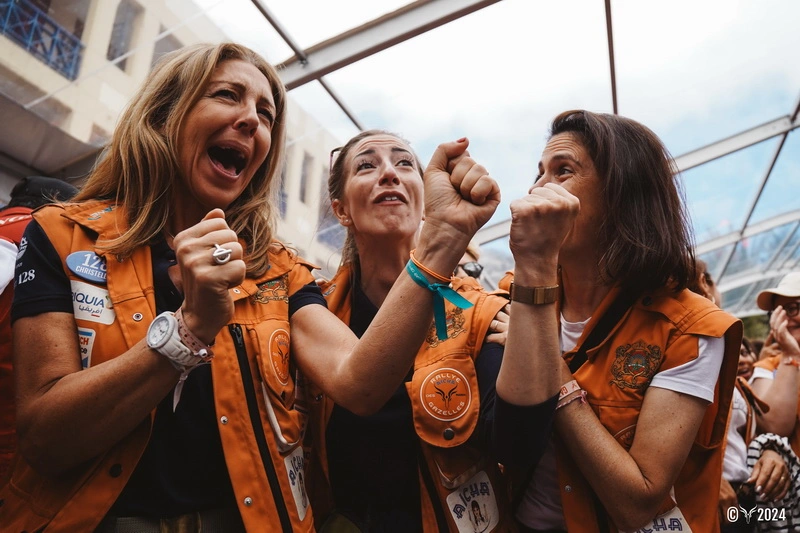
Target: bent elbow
45,464
637,514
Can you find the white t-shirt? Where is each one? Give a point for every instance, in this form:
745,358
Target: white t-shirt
541,505
734,465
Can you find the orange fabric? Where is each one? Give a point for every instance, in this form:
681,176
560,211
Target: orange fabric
79,499
660,331
458,465
13,222
771,364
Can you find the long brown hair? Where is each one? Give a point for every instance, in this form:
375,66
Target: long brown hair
646,231
139,167
338,179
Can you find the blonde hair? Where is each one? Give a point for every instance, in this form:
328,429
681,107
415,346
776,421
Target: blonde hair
139,167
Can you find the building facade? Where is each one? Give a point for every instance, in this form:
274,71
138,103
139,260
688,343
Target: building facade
69,67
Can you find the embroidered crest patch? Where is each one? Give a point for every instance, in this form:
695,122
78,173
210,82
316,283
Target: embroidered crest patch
273,290
445,394
455,326
635,365
279,354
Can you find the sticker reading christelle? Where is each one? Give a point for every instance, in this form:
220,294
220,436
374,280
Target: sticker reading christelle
91,303
445,394
88,265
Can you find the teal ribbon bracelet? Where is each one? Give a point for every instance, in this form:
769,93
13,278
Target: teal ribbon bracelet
441,292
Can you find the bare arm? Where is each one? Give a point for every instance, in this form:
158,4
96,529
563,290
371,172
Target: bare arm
361,375
781,392
66,415
539,223
642,477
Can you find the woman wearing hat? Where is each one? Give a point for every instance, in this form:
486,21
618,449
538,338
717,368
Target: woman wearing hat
776,379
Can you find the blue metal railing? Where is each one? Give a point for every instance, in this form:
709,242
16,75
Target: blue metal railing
41,36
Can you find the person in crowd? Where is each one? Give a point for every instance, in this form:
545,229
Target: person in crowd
776,377
704,284
160,393
649,366
740,485
427,460
29,193
758,346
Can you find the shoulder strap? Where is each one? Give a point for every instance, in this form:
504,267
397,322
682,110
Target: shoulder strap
603,327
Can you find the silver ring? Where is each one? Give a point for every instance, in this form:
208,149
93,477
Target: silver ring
221,255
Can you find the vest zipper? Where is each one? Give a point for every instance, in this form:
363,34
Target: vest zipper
258,427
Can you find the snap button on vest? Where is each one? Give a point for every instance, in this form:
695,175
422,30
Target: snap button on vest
568,488
448,434
115,470
137,317
223,420
647,300
248,501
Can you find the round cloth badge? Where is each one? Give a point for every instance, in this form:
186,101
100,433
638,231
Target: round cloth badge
445,394
279,354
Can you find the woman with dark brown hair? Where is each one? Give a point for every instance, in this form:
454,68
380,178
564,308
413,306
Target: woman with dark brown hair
648,366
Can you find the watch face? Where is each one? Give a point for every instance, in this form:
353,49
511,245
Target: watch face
159,331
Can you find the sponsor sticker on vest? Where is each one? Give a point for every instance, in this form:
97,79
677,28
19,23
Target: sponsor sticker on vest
473,505
672,520
86,342
295,468
88,265
445,394
91,303
279,354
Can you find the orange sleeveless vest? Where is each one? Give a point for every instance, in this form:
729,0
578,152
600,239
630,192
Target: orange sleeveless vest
446,405
657,333
257,398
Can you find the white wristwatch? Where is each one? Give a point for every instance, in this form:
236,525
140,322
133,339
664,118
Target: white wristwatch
163,337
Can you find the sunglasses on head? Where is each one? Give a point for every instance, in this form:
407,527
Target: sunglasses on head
472,268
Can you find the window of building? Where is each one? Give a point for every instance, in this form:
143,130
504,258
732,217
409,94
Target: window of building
125,22
166,44
305,177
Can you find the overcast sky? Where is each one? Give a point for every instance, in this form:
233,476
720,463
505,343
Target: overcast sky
695,71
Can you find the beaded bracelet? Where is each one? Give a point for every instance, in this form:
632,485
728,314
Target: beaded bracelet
441,292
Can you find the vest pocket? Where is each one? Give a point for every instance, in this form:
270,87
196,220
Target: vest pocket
282,396
620,421
445,400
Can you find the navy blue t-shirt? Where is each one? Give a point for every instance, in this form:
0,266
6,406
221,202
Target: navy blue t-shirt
183,468
374,460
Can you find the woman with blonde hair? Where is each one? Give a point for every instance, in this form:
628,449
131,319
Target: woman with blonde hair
160,329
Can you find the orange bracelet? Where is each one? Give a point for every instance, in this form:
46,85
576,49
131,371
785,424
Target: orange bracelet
791,361
427,270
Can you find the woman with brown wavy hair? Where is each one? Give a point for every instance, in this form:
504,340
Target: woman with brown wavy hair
158,327
648,365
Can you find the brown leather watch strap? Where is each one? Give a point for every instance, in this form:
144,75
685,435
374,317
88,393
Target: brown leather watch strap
534,295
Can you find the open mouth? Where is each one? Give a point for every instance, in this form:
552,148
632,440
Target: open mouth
390,197
229,159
